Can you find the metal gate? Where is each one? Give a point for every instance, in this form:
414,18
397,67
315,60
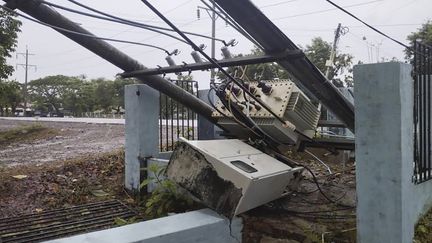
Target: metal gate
422,68
175,119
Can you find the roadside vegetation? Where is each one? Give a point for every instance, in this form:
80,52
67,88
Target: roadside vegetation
26,134
423,229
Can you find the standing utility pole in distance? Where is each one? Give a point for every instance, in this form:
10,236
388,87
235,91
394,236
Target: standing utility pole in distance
339,31
213,16
26,67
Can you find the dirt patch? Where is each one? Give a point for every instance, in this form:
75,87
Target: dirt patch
72,140
26,134
31,188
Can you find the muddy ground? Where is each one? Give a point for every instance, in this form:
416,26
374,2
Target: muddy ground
71,140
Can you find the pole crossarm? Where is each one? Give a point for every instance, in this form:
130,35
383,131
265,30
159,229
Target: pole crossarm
237,61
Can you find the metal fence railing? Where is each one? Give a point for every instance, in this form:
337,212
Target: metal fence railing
175,119
422,71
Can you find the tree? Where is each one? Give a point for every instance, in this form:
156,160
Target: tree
318,52
9,27
49,93
119,97
10,96
423,35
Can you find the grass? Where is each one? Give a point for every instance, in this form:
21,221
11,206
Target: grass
423,229
25,134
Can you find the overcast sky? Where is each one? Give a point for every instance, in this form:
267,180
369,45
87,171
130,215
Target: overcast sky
300,20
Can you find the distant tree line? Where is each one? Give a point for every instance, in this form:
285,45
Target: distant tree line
76,95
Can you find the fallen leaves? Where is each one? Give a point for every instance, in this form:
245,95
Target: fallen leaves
31,188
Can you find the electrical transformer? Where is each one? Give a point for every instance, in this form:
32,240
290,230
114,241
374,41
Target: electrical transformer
284,98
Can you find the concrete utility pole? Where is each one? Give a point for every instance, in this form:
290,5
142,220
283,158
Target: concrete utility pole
339,31
26,67
213,16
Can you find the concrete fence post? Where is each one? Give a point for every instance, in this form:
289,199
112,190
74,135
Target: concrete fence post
141,131
388,202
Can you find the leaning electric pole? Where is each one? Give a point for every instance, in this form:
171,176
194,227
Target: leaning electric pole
26,66
213,16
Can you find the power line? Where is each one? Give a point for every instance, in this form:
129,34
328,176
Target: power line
277,4
118,33
229,20
371,27
83,34
111,19
327,10
124,21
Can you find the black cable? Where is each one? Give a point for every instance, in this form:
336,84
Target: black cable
112,19
315,180
371,27
326,10
82,34
213,61
232,23
277,4
140,25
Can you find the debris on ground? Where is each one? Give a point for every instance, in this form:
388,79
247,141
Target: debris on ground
304,214
85,179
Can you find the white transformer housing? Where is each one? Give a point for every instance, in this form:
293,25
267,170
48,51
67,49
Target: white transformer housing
286,100
229,175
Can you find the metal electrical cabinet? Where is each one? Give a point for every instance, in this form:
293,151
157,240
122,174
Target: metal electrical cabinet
284,98
258,177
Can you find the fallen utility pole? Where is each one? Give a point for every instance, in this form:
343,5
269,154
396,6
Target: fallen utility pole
237,61
304,72
108,52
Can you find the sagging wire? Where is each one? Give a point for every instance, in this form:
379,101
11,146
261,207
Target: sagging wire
231,22
111,19
153,28
83,34
314,178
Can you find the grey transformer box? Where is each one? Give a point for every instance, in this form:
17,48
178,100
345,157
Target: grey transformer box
284,98
229,176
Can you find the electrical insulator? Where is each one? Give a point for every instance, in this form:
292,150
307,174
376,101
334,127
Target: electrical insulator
196,57
266,89
235,90
251,89
198,14
170,61
226,53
